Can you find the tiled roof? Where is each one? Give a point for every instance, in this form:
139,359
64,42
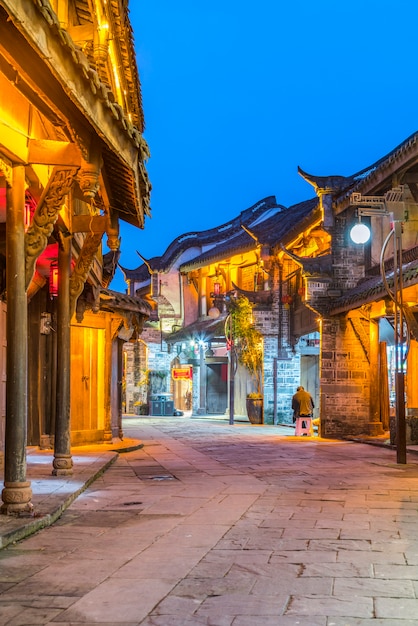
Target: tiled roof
372,289
278,228
373,175
214,237
115,301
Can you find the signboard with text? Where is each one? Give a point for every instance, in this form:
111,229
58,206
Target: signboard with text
182,373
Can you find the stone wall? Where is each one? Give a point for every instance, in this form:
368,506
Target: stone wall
141,358
279,358
345,387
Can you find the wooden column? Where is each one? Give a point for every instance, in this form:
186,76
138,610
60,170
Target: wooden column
17,493
108,381
119,347
63,462
411,376
375,424
384,386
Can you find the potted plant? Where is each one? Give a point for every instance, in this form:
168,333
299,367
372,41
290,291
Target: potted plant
248,345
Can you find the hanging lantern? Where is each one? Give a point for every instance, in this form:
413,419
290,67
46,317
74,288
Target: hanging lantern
216,288
28,215
53,279
30,207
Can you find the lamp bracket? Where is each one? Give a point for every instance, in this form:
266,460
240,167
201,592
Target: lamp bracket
391,204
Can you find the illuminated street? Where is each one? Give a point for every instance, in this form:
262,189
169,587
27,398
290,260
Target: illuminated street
226,525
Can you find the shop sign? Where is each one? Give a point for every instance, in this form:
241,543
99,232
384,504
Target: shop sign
182,373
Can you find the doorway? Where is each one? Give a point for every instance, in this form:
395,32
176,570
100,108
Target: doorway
216,390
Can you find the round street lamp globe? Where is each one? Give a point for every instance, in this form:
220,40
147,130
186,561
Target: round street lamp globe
360,233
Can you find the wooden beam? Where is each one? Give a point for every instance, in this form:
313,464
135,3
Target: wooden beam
89,224
48,152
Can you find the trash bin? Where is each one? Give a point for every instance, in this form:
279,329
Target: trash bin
161,404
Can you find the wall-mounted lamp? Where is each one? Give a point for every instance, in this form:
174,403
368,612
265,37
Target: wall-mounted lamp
360,233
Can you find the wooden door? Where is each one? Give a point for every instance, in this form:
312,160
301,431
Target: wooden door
87,384
216,394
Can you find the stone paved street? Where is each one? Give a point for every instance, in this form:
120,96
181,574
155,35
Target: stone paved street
226,525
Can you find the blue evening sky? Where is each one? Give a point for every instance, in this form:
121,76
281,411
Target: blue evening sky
237,94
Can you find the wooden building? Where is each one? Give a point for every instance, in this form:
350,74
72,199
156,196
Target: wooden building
72,164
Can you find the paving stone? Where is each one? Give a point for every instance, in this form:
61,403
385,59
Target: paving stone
303,556
118,600
177,620
372,556
394,608
201,588
390,571
330,606
352,621
32,616
280,620
243,604
291,586
355,587
336,570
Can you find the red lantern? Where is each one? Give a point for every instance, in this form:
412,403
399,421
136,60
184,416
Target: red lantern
30,207
53,279
217,289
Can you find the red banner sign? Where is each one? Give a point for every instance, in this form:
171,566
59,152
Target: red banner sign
182,373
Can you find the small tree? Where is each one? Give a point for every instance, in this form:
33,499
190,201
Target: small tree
248,340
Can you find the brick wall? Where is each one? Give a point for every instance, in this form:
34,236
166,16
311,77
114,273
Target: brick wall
277,349
345,389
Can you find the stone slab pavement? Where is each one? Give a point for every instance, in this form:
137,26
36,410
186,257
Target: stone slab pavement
201,522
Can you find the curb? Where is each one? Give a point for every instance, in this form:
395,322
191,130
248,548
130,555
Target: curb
379,444
127,449
34,524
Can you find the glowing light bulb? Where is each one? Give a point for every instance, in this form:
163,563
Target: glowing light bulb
360,233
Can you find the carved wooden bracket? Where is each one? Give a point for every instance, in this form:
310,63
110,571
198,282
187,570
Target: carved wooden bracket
116,325
46,214
6,169
82,267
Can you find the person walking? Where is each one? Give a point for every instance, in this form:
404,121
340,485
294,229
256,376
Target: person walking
302,404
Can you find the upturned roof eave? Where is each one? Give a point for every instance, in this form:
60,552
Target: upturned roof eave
116,301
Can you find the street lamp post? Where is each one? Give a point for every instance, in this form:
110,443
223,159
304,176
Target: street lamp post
232,367
390,205
202,379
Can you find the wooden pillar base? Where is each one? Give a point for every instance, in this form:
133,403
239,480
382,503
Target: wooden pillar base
375,429
16,498
63,465
107,437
